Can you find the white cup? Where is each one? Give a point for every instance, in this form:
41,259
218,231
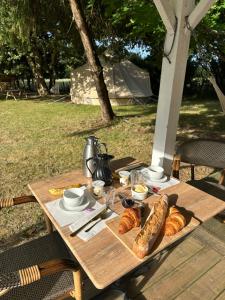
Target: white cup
124,178
98,186
156,172
73,197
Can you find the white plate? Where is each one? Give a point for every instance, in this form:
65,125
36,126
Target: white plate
76,208
161,180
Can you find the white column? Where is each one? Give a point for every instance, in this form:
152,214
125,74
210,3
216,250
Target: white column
171,87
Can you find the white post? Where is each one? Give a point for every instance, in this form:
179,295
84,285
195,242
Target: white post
167,14
171,87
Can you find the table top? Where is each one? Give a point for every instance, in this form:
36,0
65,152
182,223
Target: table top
103,257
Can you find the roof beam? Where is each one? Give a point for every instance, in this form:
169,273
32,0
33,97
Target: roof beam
199,12
167,14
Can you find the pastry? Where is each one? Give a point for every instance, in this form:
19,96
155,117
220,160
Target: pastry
130,218
146,238
175,222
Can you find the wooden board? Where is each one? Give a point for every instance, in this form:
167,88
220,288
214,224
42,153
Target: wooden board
162,242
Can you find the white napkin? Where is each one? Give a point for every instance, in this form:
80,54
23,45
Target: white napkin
64,218
85,236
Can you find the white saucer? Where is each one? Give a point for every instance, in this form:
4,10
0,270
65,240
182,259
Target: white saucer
161,180
74,209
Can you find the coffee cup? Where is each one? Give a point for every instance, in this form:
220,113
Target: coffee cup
73,197
156,172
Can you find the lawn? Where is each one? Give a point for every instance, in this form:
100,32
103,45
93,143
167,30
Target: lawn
39,139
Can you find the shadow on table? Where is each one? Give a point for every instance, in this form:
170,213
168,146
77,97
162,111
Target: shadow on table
138,280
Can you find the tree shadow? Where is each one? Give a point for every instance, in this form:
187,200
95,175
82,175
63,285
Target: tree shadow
102,125
23,236
91,130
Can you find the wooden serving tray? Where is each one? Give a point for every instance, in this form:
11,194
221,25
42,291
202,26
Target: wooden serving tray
162,241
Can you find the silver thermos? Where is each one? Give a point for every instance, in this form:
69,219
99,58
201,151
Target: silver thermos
91,149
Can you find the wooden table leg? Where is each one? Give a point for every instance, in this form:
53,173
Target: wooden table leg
48,223
78,292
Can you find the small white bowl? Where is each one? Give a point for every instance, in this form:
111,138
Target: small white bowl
156,172
139,195
73,197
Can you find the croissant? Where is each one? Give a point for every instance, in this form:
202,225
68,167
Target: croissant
131,218
175,222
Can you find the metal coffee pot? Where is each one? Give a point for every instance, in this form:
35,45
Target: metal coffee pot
91,149
102,169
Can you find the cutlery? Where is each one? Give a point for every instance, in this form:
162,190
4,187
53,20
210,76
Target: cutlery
77,226
92,225
104,215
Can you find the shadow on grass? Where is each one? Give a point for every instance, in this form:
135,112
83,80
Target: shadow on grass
40,99
138,111
118,119
91,130
29,233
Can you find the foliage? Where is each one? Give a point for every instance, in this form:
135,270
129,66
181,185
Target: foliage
45,26
116,25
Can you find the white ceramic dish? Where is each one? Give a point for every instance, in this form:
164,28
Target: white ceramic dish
138,195
73,197
156,172
74,209
161,180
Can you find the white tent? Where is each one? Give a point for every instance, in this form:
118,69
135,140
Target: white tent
126,83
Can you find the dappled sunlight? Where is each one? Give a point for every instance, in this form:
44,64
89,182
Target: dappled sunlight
38,140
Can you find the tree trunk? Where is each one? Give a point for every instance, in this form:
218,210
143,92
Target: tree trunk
35,64
52,68
93,60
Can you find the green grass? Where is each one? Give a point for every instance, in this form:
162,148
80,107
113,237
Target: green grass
39,139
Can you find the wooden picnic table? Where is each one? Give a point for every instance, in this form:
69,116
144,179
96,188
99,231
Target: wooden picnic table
104,258
15,94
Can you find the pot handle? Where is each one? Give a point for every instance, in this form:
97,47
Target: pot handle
103,144
87,160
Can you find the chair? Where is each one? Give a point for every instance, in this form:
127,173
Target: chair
40,269
205,152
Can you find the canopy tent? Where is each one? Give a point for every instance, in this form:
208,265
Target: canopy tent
126,83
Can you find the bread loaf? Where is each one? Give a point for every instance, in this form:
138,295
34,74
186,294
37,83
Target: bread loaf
174,222
130,218
147,236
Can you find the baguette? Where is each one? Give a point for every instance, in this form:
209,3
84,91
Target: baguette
146,238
